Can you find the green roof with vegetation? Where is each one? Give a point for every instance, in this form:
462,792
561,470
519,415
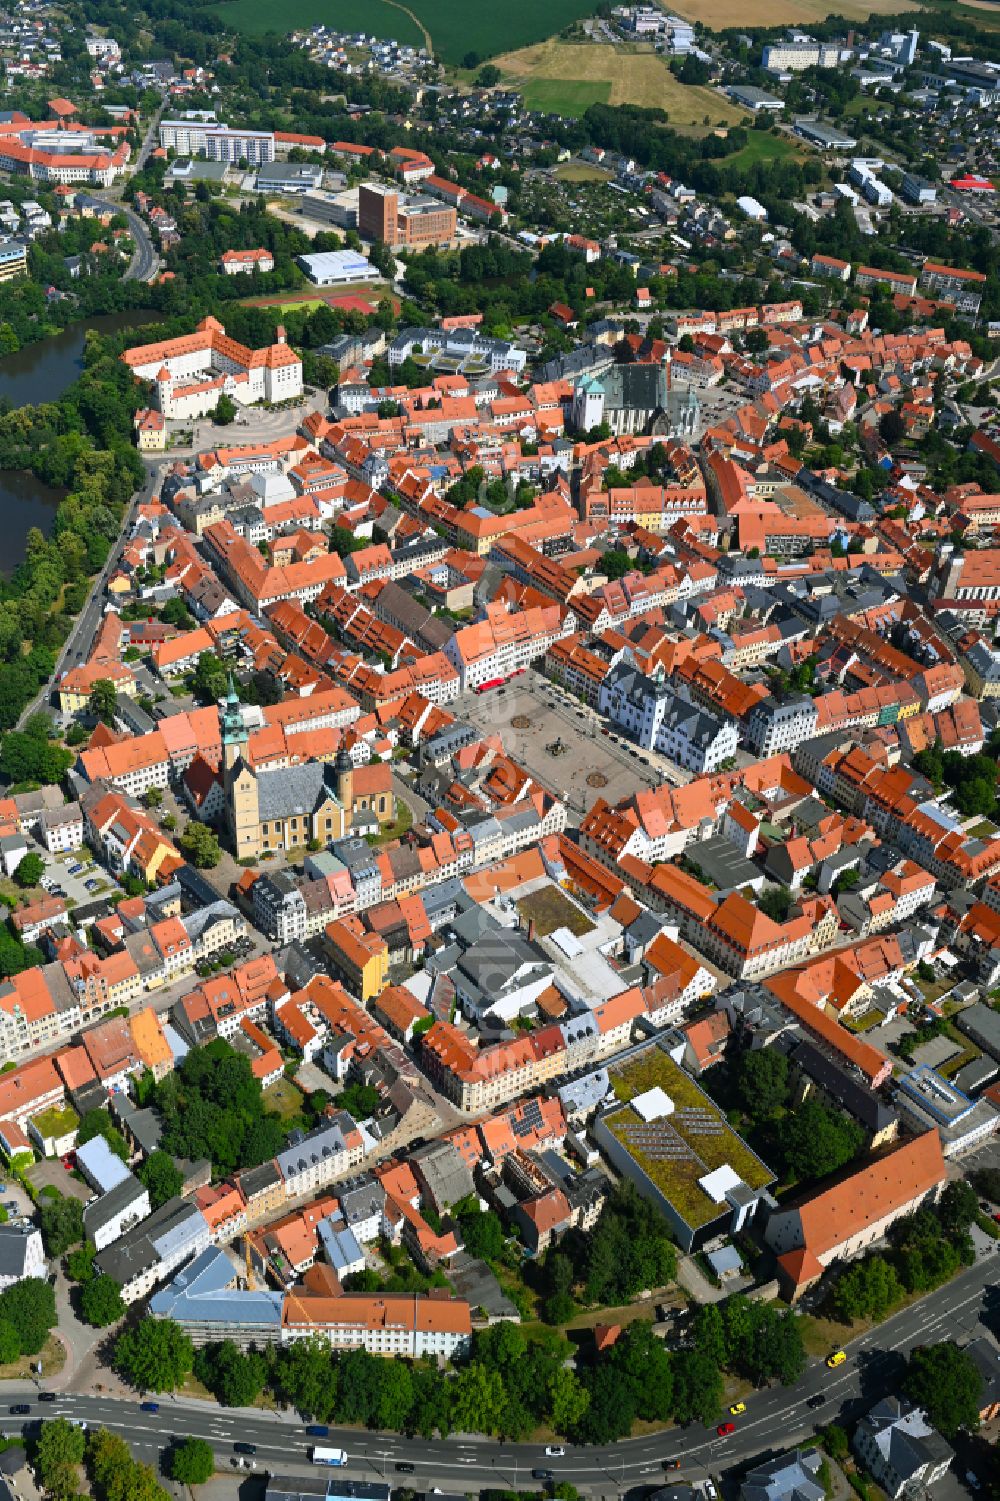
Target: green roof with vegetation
677,1150
549,908
56,1122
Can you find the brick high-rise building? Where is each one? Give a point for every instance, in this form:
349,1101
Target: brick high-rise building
397,219
378,213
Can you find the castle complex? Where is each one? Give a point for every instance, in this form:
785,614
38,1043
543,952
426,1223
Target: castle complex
192,372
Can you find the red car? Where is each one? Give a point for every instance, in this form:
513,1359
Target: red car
724,1429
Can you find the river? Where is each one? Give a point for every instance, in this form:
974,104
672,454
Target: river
37,373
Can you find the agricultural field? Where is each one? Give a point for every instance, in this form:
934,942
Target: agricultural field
984,13
566,77
380,18
720,14
454,29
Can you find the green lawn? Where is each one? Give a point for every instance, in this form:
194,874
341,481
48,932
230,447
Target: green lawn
580,172
284,1098
565,96
455,30
52,1359
400,825
762,147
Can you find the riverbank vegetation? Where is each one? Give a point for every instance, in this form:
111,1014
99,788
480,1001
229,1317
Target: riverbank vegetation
83,441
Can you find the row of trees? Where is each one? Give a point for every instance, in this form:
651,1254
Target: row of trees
62,1448
509,1384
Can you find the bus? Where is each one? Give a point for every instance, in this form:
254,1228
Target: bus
336,1457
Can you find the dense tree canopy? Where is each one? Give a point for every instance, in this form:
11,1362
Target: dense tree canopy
946,1382
155,1356
61,1222
162,1177
29,1307
212,1107
192,1461
101,1302
817,1140
629,1250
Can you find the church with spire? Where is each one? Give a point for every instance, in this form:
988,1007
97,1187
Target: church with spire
285,807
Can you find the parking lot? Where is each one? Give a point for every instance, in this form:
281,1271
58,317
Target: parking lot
560,742
717,403
14,1198
57,871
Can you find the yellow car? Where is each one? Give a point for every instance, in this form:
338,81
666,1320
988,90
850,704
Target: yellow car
837,1358
737,1408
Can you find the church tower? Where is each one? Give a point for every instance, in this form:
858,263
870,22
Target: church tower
239,781
235,735
344,768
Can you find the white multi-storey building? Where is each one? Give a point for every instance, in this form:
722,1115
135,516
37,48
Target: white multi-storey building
216,142
660,720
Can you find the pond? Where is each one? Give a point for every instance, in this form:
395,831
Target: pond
24,502
42,372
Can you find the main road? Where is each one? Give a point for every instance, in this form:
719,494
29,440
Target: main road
776,1418
145,262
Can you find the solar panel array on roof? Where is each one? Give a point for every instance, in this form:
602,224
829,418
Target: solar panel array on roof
528,1120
